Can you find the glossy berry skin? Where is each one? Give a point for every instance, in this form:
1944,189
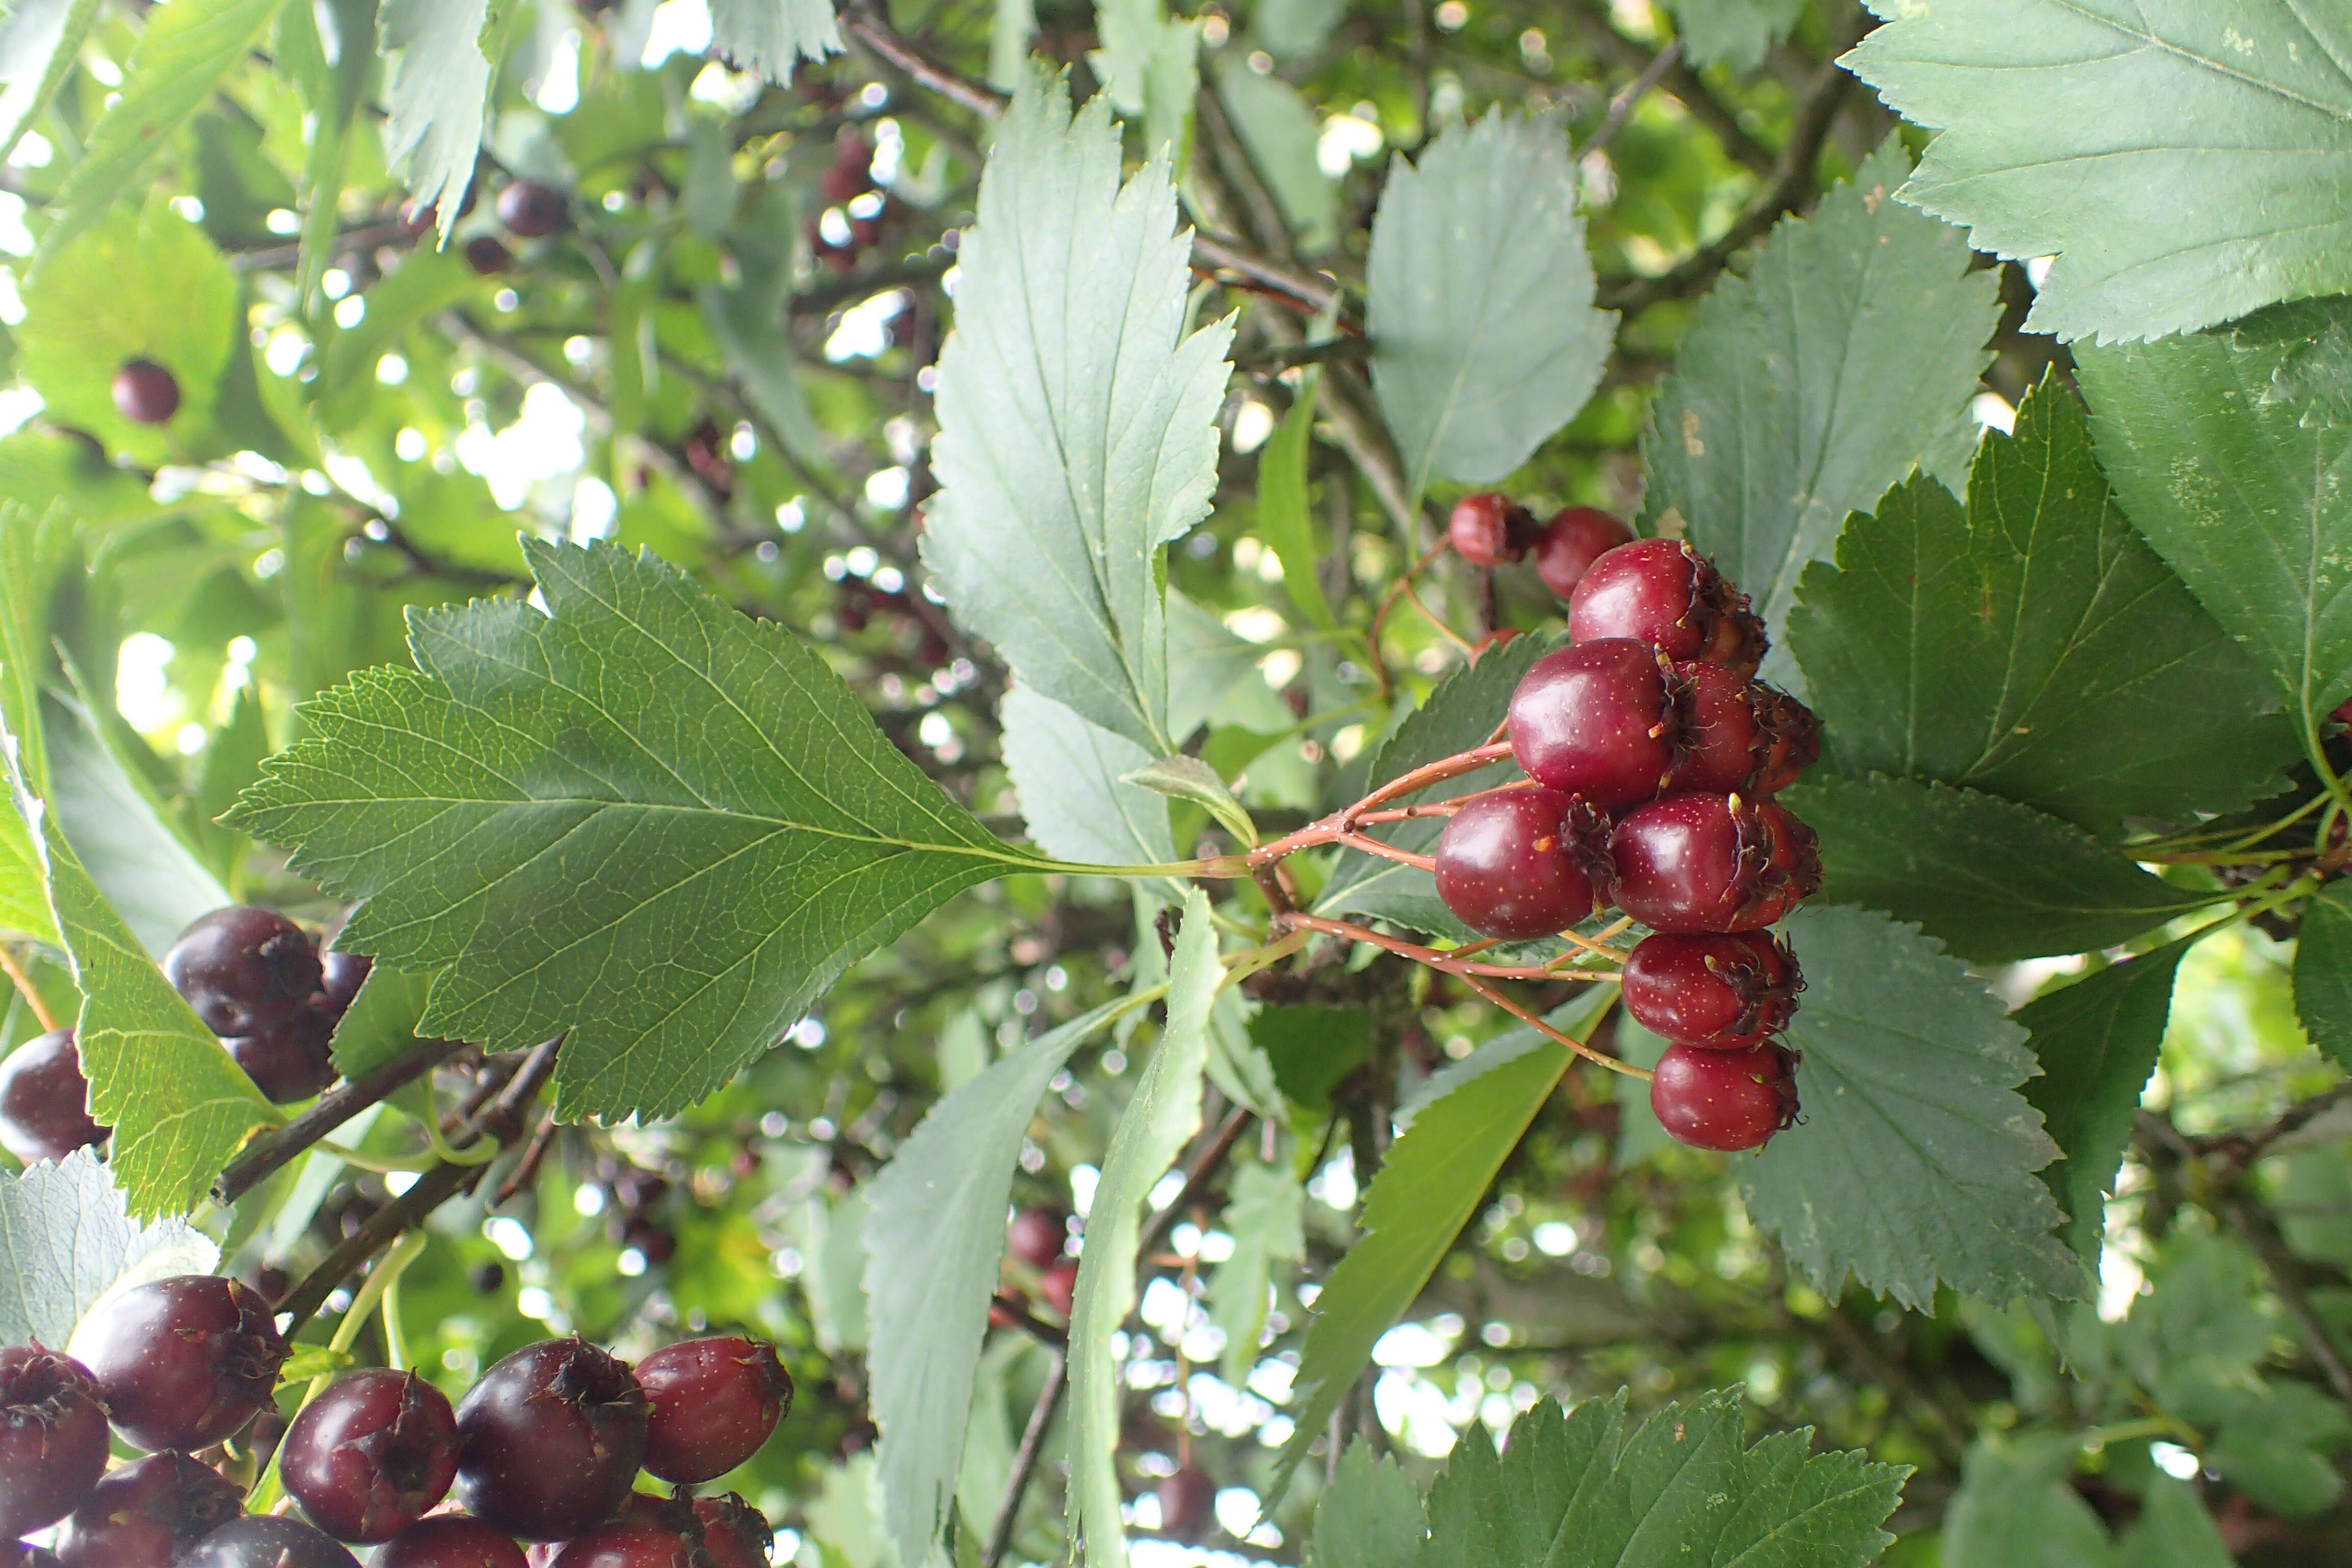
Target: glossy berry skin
45,1099
1571,541
1664,593
1505,866
1188,1505
146,1513
341,975
1739,736
372,1454
52,1437
1058,1285
628,1543
715,1401
451,1540
487,255
182,1361
549,1440
530,209
1725,1100
1720,991
1597,721
268,1541
289,1061
1037,1236
1488,530
243,969
1709,863
145,393
734,1533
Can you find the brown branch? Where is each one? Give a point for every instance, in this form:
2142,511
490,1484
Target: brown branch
1024,1461
870,28
268,1155
1620,107
1683,82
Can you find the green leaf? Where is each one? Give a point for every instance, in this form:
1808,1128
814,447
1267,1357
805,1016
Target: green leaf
1149,66
1293,28
174,68
2234,451
66,1239
1181,777
1480,309
1069,777
150,877
381,1022
641,818
1152,1132
2173,1530
771,36
2184,163
1312,1048
1283,519
1011,26
1734,33
1433,1180
2273,1447
436,89
1077,427
1683,1488
1263,1215
933,1235
2014,1508
2098,1042
2031,646
1805,389
1913,1163
1992,879
425,283
1371,1516
38,42
2323,972
1279,131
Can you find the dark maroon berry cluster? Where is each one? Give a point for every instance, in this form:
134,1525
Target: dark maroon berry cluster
259,982
1653,755
1490,529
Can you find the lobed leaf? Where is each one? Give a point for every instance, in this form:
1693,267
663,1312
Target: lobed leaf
1734,33
1371,1516
67,1238
141,866
39,40
771,36
1281,132
436,91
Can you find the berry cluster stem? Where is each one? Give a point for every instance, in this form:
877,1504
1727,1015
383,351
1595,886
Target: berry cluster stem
1448,962
1341,825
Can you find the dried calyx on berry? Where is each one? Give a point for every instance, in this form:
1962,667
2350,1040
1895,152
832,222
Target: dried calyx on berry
52,1437
1664,593
1722,991
549,1438
1704,862
182,1361
714,1402
147,1514
1736,735
372,1454
1490,530
1725,1100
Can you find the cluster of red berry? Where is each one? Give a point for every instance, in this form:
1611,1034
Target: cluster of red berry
1490,530
546,1445
1652,754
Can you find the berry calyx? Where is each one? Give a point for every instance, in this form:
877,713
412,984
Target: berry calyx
372,1454
145,393
1058,1285
1573,540
52,1437
451,1540
268,1541
1037,1236
714,1402
734,1533
243,969
1664,593
1720,991
182,1361
146,1514
1709,863
289,1061
628,1543
549,1440
1739,735
1188,1505
1505,866
530,209
1725,1100
45,1101
1488,530
1597,721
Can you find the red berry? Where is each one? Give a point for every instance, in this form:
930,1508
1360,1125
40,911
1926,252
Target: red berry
530,209
714,1402
629,1543
341,975
1573,542
1664,593
1188,1505
1739,735
1727,1100
372,1454
52,1437
1488,530
1597,721
147,1513
550,1440
268,1541
1709,862
145,393
182,1361
243,969
1058,1284
289,1061
1505,866
45,1101
1039,1235
1723,990
734,1533
487,255
451,1540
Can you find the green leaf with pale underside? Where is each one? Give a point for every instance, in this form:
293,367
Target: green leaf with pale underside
771,36
1735,33
640,819
437,88
66,1239
1066,773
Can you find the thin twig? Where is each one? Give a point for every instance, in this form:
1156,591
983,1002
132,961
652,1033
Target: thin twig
1620,107
266,1154
1446,961
1024,1461
24,984
1541,1027
2261,1233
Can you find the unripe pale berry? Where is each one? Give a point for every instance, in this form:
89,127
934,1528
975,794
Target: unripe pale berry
372,1454
451,1540
45,1099
1723,990
1488,530
243,969
182,1361
1505,866
52,1437
145,393
146,1514
714,1402
1709,862
268,1541
1738,735
1664,593
550,1440
1597,720
1571,541
1725,1100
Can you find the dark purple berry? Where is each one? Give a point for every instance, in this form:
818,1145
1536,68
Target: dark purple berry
1573,542
1664,593
1726,1100
45,1101
451,1540
1488,530
52,1437
1597,721
268,1541
341,975
1038,1236
1739,736
714,1402
182,1361
734,1533
372,1454
1709,862
244,969
145,393
146,1514
288,1061
487,255
1188,1505
1505,867
550,1440
629,1543
1723,990
532,210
